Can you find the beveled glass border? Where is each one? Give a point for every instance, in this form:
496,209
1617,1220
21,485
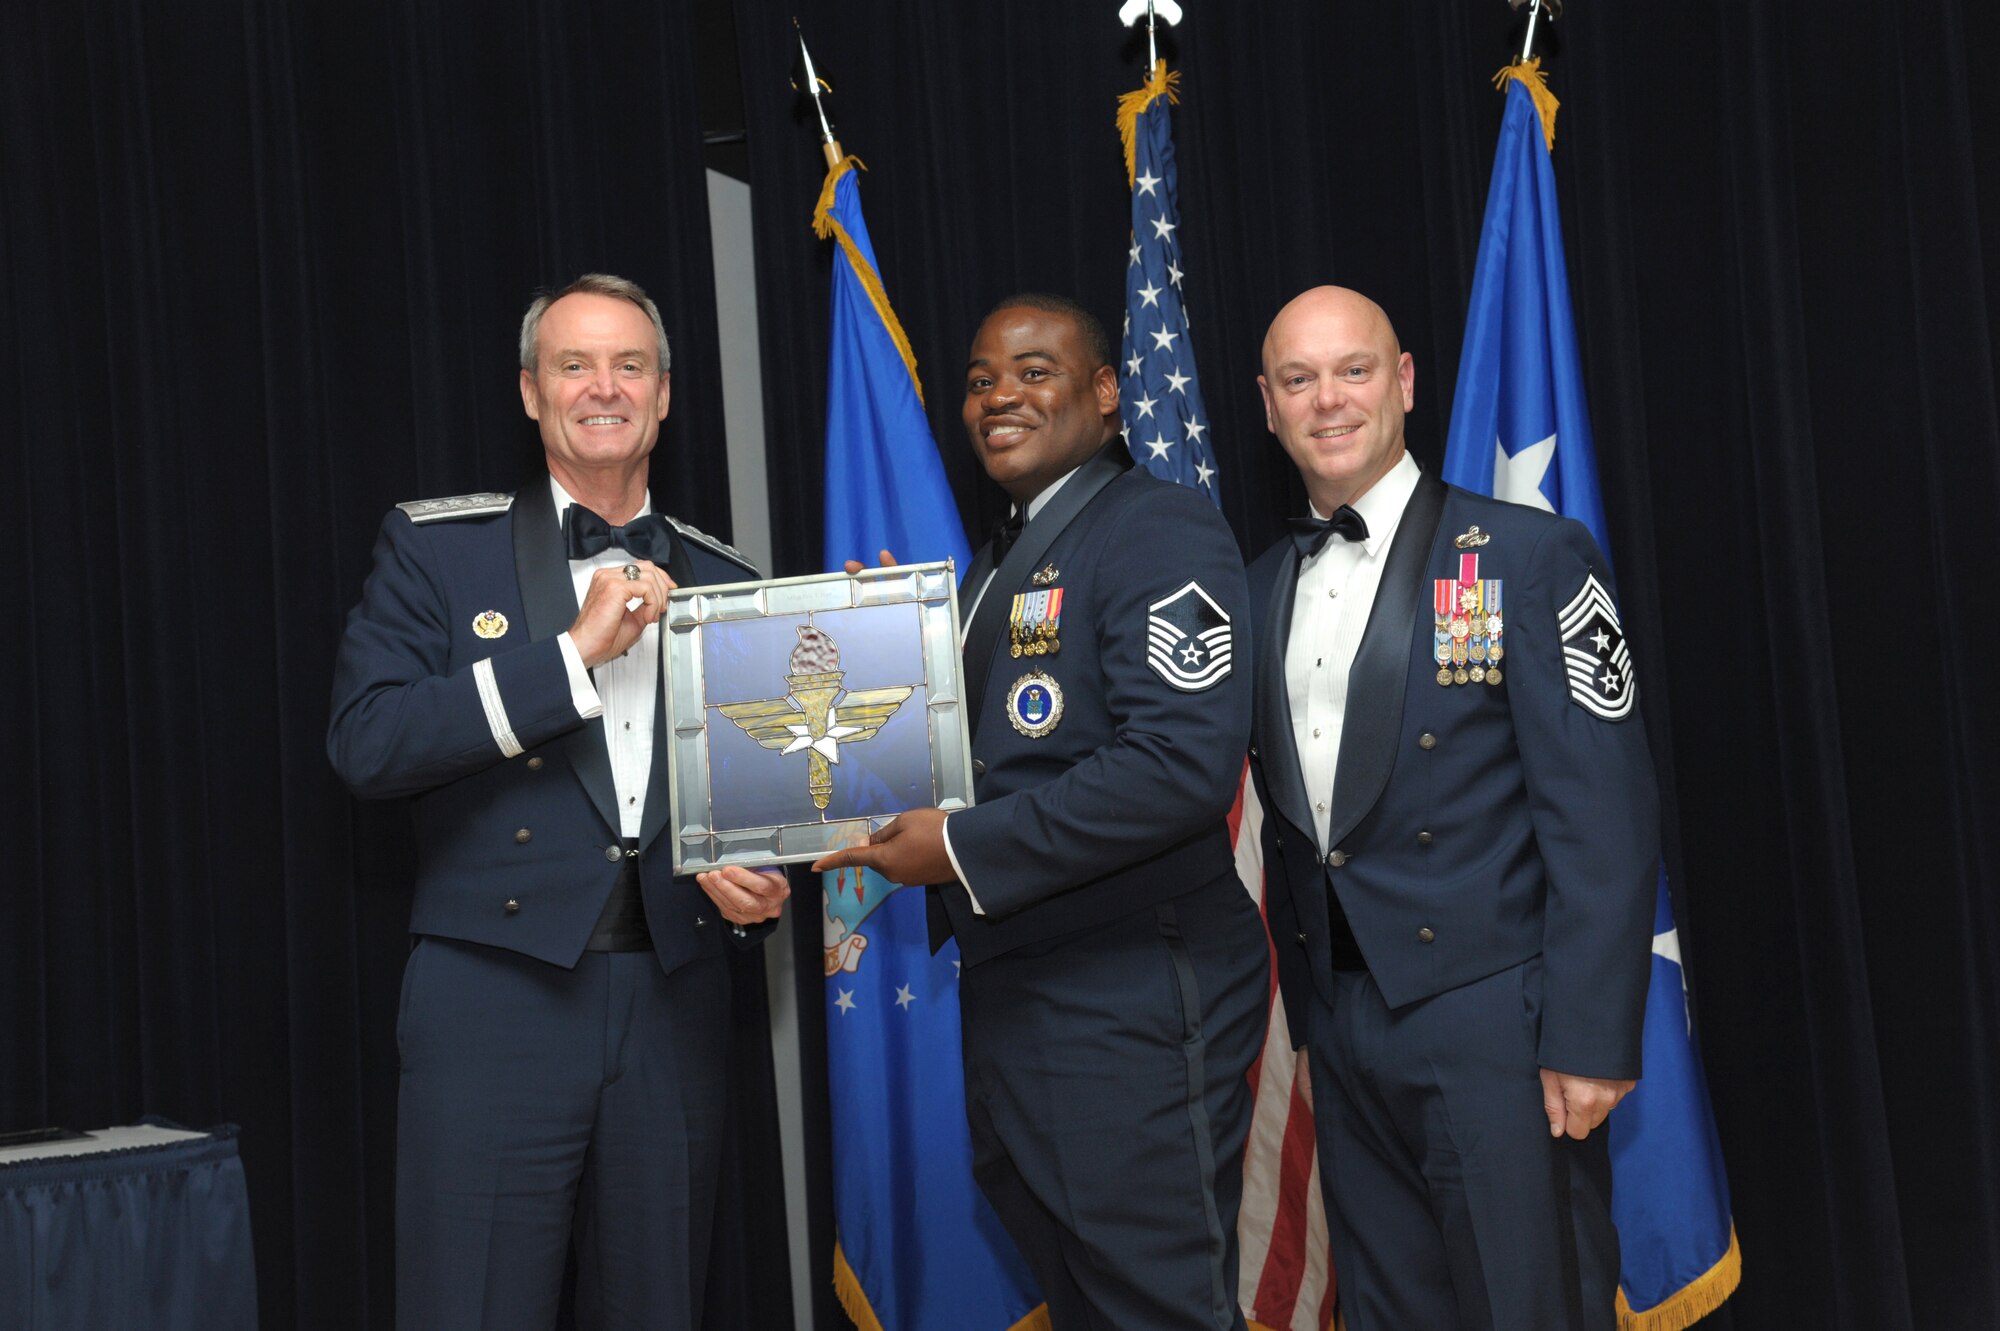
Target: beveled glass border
698,845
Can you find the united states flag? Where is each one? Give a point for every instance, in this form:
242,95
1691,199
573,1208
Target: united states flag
1285,1282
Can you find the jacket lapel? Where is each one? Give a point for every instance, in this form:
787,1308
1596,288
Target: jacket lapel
1280,756
1381,673
983,635
548,598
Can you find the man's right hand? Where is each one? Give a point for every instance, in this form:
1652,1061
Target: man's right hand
888,561
617,609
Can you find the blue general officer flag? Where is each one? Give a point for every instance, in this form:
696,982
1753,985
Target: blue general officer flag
917,1244
1520,431
1159,402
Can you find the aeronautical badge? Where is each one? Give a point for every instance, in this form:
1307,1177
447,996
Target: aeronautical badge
489,625
1187,640
1600,668
1035,704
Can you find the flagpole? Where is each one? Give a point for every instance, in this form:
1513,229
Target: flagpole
1528,44
828,143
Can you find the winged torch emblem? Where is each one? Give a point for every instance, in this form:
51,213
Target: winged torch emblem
808,719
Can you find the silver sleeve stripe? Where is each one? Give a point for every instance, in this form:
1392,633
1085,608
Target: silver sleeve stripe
1591,596
496,711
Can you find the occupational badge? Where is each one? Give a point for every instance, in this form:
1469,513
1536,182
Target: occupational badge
490,624
1047,577
1594,653
1466,637
1034,623
1187,639
1471,539
1035,704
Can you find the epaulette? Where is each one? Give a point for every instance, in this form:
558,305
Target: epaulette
457,506
702,538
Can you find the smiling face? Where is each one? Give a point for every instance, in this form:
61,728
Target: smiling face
1036,407
1336,386
597,390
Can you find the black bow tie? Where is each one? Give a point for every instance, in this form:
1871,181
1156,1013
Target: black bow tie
1006,534
588,535
1309,534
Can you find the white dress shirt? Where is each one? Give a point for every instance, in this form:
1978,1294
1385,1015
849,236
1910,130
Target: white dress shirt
1336,590
624,690
1035,505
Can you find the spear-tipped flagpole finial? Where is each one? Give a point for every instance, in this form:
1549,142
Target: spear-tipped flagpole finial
814,83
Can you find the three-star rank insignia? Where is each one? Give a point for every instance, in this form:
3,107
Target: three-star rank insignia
491,624
1034,623
1594,653
1187,639
1467,640
1035,704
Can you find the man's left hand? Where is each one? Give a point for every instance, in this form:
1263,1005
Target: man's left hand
746,896
909,851
1575,1105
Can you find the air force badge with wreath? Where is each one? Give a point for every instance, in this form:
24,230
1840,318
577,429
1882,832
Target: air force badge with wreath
1035,704
1594,654
1187,639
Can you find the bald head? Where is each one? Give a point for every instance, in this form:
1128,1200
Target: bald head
1336,385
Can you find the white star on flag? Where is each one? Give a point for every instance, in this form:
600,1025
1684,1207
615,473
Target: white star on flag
1163,340
1146,183
1150,294
1518,479
1145,406
1177,381
1159,445
904,997
845,1002
1163,229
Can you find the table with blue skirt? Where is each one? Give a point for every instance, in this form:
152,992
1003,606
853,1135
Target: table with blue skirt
143,1226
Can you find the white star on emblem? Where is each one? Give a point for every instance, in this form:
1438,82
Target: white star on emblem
1148,293
1194,429
1145,406
1602,639
1146,182
1138,358
1518,479
904,997
1163,340
826,746
1163,229
1190,653
1178,381
845,1002
1173,275
1609,681
1202,471
1159,446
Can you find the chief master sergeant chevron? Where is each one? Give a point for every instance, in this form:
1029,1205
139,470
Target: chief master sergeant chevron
1461,840
1116,973
564,1014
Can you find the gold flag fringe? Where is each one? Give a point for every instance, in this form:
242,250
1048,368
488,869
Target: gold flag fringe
1133,104
847,1288
1693,1301
871,281
1528,73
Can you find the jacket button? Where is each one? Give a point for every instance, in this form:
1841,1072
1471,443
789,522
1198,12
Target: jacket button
1427,740
1277,843
1253,750
1423,838
1336,858
1424,935
512,906
611,853
535,763
978,767
700,920
1302,938
523,837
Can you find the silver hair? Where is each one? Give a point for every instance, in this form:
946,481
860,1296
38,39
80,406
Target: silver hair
595,284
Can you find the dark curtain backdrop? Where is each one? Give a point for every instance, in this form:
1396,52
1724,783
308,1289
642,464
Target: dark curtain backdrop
1784,242
261,269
